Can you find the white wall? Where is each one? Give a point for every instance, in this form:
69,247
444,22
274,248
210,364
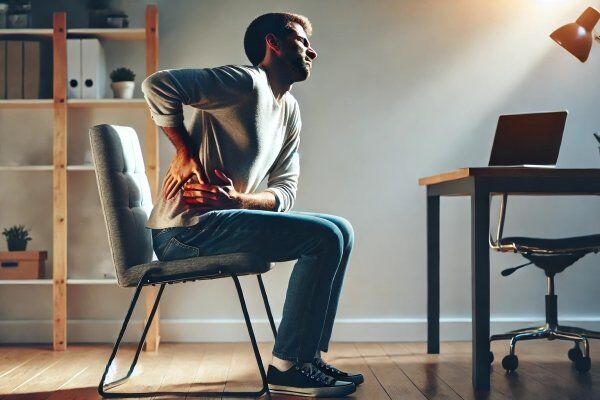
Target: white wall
401,90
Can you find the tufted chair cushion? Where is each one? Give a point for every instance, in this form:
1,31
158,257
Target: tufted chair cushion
124,194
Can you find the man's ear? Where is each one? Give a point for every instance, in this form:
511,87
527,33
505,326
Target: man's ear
273,43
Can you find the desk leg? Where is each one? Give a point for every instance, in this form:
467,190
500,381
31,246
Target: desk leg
480,287
433,274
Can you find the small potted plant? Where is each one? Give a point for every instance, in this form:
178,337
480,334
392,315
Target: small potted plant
122,83
16,237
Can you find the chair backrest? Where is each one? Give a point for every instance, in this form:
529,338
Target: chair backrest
124,194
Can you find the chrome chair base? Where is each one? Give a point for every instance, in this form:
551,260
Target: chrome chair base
579,354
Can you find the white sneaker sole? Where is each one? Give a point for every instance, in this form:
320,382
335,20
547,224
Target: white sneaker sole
332,391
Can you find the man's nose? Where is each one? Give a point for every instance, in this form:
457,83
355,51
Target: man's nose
311,53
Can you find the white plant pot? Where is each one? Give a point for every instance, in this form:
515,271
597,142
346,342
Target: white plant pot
122,90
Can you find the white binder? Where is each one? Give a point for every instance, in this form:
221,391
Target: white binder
93,69
74,68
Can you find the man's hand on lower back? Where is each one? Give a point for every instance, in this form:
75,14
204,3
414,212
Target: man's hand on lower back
182,168
212,196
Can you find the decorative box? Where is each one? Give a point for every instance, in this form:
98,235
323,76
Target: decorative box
22,264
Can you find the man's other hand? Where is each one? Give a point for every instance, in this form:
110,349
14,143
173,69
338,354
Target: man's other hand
182,168
212,196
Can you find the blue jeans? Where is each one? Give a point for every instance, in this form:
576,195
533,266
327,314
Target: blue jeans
321,243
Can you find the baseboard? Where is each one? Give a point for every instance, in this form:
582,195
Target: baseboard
184,330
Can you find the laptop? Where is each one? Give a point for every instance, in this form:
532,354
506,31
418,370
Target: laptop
528,140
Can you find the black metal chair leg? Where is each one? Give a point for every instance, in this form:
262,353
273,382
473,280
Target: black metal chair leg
267,306
263,375
102,387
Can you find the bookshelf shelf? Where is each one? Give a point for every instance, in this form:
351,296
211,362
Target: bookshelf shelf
26,282
109,33
34,103
26,168
100,281
30,33
82,167
106,103
99,33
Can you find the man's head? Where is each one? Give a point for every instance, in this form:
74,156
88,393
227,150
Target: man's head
282,37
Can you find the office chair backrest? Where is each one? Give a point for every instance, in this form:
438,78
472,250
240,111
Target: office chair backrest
124,194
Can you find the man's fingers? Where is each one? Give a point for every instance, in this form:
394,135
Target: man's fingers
201,186
173,188
200,193
167,185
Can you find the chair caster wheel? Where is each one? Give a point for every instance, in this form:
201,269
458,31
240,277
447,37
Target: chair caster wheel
575,354
510,363
491,357
583,365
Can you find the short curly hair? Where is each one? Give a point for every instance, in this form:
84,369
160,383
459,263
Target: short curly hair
276,23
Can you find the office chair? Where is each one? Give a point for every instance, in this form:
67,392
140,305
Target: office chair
126,204
553,256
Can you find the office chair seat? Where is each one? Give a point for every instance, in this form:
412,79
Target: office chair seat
564,245
197,268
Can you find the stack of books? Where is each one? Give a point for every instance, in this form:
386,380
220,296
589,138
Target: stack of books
25,69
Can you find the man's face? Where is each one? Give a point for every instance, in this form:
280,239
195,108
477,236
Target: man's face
297,53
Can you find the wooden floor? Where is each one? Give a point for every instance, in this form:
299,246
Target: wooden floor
399,371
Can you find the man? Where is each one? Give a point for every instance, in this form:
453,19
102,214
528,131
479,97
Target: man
246,127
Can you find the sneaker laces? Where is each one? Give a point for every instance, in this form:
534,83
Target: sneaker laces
314,373
321,364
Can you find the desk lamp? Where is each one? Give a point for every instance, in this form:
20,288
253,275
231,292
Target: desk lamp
577,36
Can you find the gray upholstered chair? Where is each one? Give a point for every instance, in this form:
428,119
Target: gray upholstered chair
126,204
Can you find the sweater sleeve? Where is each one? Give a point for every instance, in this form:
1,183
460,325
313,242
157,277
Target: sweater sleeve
210,88
283,177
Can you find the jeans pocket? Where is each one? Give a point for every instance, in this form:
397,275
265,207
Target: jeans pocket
175,250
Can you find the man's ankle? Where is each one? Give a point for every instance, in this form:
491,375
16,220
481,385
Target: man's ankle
280,364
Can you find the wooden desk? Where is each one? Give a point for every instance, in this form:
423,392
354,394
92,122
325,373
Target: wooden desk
480,184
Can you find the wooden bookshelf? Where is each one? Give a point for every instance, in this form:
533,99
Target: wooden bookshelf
60,106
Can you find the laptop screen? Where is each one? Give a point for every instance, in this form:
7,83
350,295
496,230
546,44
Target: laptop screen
528,139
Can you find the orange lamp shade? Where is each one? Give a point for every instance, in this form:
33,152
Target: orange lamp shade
576,37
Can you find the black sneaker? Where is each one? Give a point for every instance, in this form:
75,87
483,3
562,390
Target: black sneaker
335,373
306,380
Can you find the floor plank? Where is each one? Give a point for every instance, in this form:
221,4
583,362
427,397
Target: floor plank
213,372
421,370
392,379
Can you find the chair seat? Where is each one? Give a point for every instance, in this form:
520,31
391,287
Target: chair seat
565,245
206,267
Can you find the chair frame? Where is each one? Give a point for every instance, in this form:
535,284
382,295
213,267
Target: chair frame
551,329
147,280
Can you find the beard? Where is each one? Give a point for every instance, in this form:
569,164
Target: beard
300,68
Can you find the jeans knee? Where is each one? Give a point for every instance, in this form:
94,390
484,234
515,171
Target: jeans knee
332,240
